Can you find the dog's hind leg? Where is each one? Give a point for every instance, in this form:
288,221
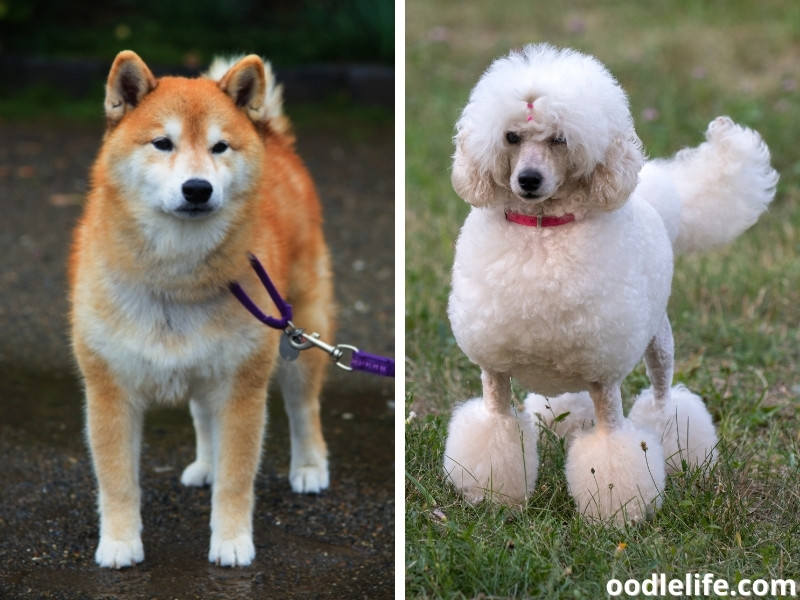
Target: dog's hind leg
201,471
659,360
616,470
678,416
491,447
301,380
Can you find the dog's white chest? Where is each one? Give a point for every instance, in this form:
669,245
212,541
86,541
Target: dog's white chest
564,306
165,350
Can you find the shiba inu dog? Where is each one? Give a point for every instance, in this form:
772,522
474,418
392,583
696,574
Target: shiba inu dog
192,175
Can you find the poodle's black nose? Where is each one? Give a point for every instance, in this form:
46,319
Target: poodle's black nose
530,180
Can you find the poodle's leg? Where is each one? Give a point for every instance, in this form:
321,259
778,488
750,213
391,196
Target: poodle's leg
607,401
659,360
616,470
491,447
678,416
496,391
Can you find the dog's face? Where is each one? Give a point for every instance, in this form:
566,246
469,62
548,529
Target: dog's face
182,151
537,162
546,131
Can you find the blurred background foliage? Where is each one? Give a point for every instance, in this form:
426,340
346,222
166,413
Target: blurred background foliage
55,55
288,32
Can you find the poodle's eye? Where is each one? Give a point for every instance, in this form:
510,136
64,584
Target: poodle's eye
512,138
558,140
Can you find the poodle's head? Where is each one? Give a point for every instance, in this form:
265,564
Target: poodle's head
543,128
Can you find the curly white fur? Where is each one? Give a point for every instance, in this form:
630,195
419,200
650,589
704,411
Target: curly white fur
508,447
683,425
573,308
617,474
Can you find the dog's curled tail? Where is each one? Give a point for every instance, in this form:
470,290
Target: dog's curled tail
723,186
272,112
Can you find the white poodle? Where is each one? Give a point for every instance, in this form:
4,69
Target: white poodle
562,275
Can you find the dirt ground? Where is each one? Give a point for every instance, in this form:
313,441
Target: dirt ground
339,544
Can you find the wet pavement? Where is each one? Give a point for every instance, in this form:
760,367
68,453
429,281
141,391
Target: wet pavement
339,544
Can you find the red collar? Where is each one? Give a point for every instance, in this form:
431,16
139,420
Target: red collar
538,220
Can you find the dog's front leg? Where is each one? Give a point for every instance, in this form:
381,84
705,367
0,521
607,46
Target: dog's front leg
114,430
496,391
491,449
616,470
239,428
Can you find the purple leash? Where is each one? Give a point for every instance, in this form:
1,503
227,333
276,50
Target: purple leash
295,340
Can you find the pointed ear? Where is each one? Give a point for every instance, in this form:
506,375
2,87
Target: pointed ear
474,184
246,84
612,182
128,82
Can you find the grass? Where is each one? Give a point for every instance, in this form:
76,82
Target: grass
735,312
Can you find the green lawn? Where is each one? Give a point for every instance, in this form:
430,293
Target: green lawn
735,312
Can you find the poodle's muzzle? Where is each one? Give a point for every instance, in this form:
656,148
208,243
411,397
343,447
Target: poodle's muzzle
536,171
530,180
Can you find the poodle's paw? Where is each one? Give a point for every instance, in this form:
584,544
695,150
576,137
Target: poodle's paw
684,425
565,414
198,474
616,475
118,554
491,454
238,551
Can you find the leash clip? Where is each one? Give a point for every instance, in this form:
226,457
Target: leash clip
294,340
299,340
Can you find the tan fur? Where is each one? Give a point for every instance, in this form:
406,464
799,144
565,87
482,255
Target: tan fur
152,318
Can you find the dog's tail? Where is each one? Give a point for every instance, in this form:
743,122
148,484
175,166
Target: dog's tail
273,114
723,185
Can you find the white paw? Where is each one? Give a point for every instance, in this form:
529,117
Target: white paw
235,552
616,475
117,554
491,454
309,479
684,426
198,474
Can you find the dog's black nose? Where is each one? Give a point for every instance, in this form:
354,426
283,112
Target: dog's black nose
530,180
196,191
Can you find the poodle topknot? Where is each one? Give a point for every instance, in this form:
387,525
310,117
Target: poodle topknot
562,275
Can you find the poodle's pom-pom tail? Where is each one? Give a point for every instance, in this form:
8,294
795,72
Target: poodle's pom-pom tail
684,426
489,453
272,111
616,475
724,185
565,414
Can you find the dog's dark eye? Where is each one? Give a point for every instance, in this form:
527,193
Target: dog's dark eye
219,147
162,143
512,138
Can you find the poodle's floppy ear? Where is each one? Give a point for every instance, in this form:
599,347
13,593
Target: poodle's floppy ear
470,181
613,181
